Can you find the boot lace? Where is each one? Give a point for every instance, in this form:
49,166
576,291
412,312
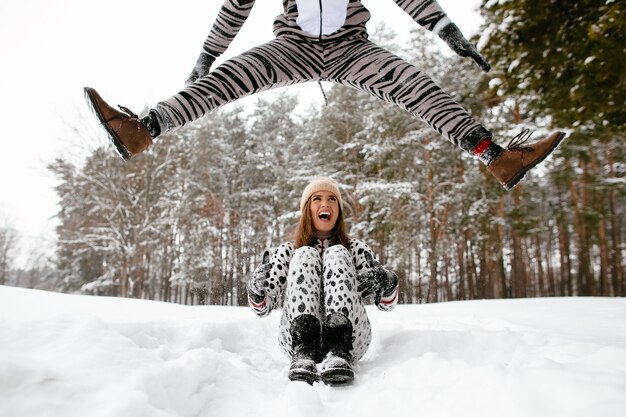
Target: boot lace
517,143
128,112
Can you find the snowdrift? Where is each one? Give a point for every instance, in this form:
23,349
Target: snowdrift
67,355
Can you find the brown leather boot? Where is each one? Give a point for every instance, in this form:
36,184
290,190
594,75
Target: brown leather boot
511,166
129,135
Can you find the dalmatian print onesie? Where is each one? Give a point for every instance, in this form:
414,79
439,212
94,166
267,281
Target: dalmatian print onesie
320,280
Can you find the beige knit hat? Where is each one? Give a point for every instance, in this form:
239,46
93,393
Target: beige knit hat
320,184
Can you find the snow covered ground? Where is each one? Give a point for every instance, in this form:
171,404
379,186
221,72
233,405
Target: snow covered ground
64,355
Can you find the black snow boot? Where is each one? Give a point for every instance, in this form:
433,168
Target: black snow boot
305,342
337,342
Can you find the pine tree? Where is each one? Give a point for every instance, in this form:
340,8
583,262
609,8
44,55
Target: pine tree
565,59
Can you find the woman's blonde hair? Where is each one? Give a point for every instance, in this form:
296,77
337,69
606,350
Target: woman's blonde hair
305,233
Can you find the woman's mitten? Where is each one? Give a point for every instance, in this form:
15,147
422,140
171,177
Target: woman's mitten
376,280
258,282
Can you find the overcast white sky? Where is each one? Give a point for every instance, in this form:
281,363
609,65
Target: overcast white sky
135,52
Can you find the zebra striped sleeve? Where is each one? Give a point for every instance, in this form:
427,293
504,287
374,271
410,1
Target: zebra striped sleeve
425,12
231,17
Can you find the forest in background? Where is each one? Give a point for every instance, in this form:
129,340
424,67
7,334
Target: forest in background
188,221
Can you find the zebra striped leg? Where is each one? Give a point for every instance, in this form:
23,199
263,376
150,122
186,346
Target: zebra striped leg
361,64
278,63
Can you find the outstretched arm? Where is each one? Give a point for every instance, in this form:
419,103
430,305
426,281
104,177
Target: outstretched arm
230,19
430,15
427,13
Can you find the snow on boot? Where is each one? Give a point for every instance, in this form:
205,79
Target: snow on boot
305,342
129,135
513,163
337,342
336,368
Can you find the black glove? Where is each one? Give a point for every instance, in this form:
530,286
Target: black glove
457,42
258,282
202,68
376,280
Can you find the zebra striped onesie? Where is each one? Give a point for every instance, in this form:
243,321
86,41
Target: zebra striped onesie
321,40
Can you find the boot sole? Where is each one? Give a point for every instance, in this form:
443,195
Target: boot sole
119,146
337,376
517,178
304,376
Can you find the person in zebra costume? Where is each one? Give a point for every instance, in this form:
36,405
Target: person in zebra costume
325,40
322,279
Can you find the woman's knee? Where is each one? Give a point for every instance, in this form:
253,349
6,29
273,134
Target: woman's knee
336,252
306,252
305,267
338,260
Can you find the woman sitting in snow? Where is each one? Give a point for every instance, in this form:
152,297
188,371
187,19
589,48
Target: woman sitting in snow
324,40
322,278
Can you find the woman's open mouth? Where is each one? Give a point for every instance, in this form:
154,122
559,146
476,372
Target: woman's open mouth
324,215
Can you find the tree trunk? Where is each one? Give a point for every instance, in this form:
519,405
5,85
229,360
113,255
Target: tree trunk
518,266
549,266
584,280
460,259
472,275
566,280
541,287
617,267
